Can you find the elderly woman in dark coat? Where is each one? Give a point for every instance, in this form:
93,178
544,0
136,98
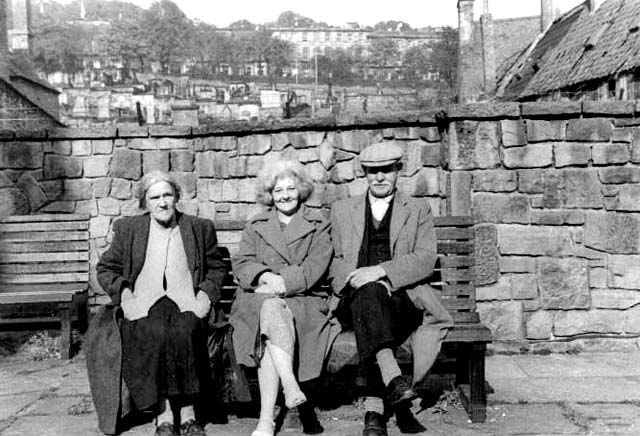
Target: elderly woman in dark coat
284,252
164,270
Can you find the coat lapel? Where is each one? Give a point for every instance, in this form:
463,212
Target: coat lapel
399,216
269,230
188,241
298,228
139,243
357,218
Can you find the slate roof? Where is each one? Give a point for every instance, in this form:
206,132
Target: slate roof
579,47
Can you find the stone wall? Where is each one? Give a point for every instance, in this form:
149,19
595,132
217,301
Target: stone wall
554,190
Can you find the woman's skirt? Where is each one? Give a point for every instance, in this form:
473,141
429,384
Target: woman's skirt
311,323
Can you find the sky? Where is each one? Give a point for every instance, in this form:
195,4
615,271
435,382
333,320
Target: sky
418,13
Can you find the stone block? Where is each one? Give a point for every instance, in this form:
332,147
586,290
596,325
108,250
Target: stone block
431,155
632,321
505,319
405,133
317,172
474,145
126,164
254,144
628,199
90,207
412,159
182,160
237,166
34,193
557,217
61,147
222,143
529,156
326,154
635,146
612,232
56,167
597,278
142,144
81,147
204,164
578,322
14,202
5,180
21,155
563,283
619,175
109,206
130,207
279,141
624,272
531,181
97,166
495,292
524,286
343,172
572,154
542,130
616,153
513,133
518,264
165,143
615,298
352,140
534,240
486,254
622,135
53,189
254,165
121,189
99,226
495,181
333,193
425,182
305,139
429,134
77,189
572,188
214,189
500,208
102,146
357,187
589,129
247,190
538,325
229,190
58,207
187,183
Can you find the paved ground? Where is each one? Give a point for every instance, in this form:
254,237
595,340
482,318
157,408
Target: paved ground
580,394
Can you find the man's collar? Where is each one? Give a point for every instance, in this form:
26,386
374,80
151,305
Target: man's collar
386,199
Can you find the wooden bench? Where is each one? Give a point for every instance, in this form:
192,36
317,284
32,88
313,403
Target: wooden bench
44,272
454,276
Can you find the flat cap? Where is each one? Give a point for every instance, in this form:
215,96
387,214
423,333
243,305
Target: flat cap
381,154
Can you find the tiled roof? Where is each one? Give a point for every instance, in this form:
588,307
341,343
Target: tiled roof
581,46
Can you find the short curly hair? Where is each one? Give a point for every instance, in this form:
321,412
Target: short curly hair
269,175
150,179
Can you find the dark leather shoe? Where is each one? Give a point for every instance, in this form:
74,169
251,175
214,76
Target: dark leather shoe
406,422
400,390
309,419
191,428
374,424
165,429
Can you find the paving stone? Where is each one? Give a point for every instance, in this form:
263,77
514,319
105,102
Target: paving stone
53,425
604,418
523,419
12,404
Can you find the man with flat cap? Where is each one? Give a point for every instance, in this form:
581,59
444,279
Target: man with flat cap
385,251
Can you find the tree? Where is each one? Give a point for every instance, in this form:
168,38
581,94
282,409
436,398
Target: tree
61,48
242,25
384,52
291,19
278,55
417,64
126,39
168,30
392,26
444,56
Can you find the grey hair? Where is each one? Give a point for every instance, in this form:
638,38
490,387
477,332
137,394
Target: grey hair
270,173
153,177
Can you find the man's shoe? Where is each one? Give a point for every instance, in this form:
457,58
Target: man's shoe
309,419
406,422
374,424
191,428
400,390
165,429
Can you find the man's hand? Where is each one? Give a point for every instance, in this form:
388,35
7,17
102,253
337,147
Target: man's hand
274,282
364,275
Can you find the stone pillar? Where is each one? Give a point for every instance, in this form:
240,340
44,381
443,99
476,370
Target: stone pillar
20,31
4,41
465,51
488,53
548,13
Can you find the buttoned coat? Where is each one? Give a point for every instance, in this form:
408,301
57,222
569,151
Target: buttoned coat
412,241
300,253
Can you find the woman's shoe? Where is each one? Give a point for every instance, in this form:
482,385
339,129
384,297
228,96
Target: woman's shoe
264,428
165,429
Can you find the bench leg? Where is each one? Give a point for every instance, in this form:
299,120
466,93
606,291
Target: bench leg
83,315
65,333
470,379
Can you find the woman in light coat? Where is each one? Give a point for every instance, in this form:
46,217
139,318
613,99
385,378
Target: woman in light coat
279,317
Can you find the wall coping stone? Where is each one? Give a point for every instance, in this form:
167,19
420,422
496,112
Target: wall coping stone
128,132
609,107
485,110
626,122
31,134
84,133
169,131
542,108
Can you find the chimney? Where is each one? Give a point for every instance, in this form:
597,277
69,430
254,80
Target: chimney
4,34
20,33
548,13
466,65
488,51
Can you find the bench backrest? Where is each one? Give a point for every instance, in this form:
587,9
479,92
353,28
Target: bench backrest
43,255
454,276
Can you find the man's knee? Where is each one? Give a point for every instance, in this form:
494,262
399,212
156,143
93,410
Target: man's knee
371,293
275,309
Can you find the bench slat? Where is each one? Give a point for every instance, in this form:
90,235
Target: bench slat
42,257
45,217
49,267
43,226
44,278
455,304
466,317
458,275
454,233
49,247
455,247
82,235
37,297
458,289
8,288
450,221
